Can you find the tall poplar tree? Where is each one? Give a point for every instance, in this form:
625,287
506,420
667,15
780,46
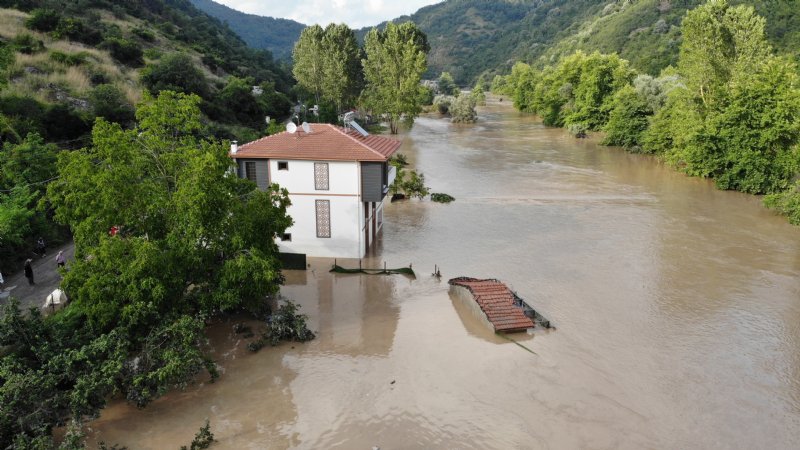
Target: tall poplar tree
394,64
308,58
327,64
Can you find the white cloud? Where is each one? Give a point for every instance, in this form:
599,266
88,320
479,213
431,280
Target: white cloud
355,13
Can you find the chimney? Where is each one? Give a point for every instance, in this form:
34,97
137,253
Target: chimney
234,147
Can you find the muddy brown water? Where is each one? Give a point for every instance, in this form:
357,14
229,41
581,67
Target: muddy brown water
677,307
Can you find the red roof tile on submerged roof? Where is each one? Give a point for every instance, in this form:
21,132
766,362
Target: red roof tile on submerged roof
496,301
325,142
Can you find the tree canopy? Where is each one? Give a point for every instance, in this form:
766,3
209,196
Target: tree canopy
393,67
193,240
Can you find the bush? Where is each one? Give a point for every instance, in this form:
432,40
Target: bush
69,59
442,103
110,103
285,324
462,110
786,203
44,20
144,34
577,130
175,72
124,51
442,198
27,44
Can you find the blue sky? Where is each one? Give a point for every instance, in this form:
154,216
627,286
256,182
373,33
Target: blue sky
355,13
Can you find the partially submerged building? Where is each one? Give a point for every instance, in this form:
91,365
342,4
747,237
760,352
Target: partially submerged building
337,178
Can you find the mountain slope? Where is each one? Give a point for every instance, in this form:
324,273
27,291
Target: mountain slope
68,57
276,35
470,37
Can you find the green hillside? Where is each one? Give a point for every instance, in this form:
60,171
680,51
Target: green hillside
68,57
276,35
469,37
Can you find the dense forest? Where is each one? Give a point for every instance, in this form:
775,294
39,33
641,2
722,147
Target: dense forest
729,110
66,64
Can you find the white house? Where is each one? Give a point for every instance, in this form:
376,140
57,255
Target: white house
337,180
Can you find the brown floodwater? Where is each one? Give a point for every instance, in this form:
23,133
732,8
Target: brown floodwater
677,309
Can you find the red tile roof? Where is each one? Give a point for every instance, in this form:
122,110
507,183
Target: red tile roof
496,301
325,142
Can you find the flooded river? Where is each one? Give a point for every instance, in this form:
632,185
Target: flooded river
677,309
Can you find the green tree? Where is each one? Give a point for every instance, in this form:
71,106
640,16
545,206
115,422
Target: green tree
394,64
309,61
343,77
628,119
479,91
446,84
462,110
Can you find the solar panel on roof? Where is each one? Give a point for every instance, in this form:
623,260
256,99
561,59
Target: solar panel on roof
358,128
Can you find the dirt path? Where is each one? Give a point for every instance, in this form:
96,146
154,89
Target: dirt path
45,276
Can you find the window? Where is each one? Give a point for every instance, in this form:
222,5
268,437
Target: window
286,237
323,218
283,165
250,171
321,176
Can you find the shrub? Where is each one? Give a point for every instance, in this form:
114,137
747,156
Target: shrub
44,20
175,72
463,110
69,59
124,51
442,103
442,198
285,324
144,34
577,130
110,103
27,44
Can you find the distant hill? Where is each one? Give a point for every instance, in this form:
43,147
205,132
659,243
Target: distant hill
470,37
276,35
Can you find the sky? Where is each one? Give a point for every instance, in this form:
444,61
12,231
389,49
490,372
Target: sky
355,13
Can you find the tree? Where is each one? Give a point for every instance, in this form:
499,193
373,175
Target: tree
446,84
462,110
628,119
393,68
341,66
479,91
719,42
327,64
308,57
194,241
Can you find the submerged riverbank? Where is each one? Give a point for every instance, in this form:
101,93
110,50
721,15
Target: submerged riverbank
677,308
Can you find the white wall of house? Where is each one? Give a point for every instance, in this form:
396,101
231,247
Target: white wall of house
346,214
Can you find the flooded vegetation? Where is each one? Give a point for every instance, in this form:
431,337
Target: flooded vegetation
677,305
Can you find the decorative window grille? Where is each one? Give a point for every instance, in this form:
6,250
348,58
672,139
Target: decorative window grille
323,218
321,176
250,171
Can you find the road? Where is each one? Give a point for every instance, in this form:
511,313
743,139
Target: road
45,275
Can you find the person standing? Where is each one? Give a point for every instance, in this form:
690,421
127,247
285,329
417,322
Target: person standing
60,260
29,271
41,248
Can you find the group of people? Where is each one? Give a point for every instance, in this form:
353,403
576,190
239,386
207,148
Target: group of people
41,250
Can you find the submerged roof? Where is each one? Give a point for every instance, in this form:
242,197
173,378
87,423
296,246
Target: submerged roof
496,301
325,142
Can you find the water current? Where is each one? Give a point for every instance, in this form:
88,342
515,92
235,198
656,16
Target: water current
677,309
